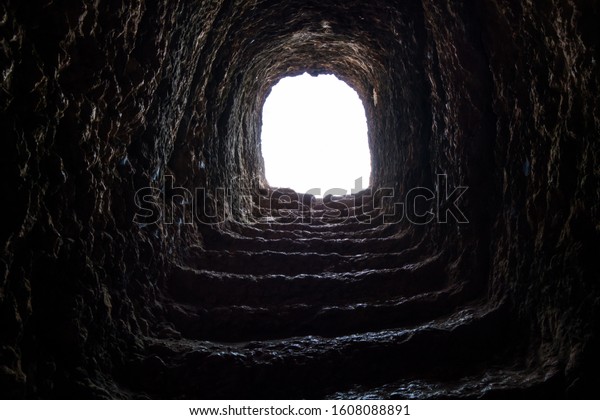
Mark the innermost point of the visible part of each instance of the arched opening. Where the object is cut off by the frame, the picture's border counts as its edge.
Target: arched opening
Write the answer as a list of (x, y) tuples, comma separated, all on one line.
[(314, 136)]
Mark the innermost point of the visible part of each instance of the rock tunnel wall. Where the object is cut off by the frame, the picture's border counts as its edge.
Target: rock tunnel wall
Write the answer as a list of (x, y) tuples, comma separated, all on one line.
[(101, 100)]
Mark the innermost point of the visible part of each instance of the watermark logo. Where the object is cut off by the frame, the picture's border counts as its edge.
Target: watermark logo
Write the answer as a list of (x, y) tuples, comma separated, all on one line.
[(419, 205)]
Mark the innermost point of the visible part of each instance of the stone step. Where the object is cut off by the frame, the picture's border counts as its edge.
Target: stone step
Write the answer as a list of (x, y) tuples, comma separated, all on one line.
[(275, 262), (313, 366), (344, 246), (505, 380), (244, 323), (346, 226), (339, 203), (322, 218), (210, 288), (265, 231), (349, 222)]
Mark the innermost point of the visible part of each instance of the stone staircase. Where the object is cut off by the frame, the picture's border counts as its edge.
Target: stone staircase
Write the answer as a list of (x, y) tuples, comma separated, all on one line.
[(308, 302)]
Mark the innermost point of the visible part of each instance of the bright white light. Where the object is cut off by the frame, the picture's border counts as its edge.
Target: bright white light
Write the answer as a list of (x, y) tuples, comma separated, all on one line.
[(314, 135)]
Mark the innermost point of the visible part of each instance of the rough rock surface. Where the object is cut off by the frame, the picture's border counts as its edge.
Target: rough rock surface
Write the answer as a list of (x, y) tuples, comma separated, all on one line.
[(99, 100)]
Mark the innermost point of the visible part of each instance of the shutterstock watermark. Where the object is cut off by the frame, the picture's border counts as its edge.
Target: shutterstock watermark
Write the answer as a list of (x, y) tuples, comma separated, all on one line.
[(419, 205)]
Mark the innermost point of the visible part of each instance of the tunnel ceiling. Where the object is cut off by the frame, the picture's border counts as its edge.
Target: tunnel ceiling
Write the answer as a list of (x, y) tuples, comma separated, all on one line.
[(101, 101)]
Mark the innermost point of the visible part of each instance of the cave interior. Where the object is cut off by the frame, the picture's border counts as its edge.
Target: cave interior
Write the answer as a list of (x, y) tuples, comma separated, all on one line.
[(144, 255)]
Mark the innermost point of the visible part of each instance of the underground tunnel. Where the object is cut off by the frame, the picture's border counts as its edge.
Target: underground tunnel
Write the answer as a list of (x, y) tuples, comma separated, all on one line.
[(145, 255)]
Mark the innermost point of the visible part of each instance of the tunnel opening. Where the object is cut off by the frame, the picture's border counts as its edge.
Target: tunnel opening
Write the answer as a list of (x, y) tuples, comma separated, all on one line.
[(314, 136)]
